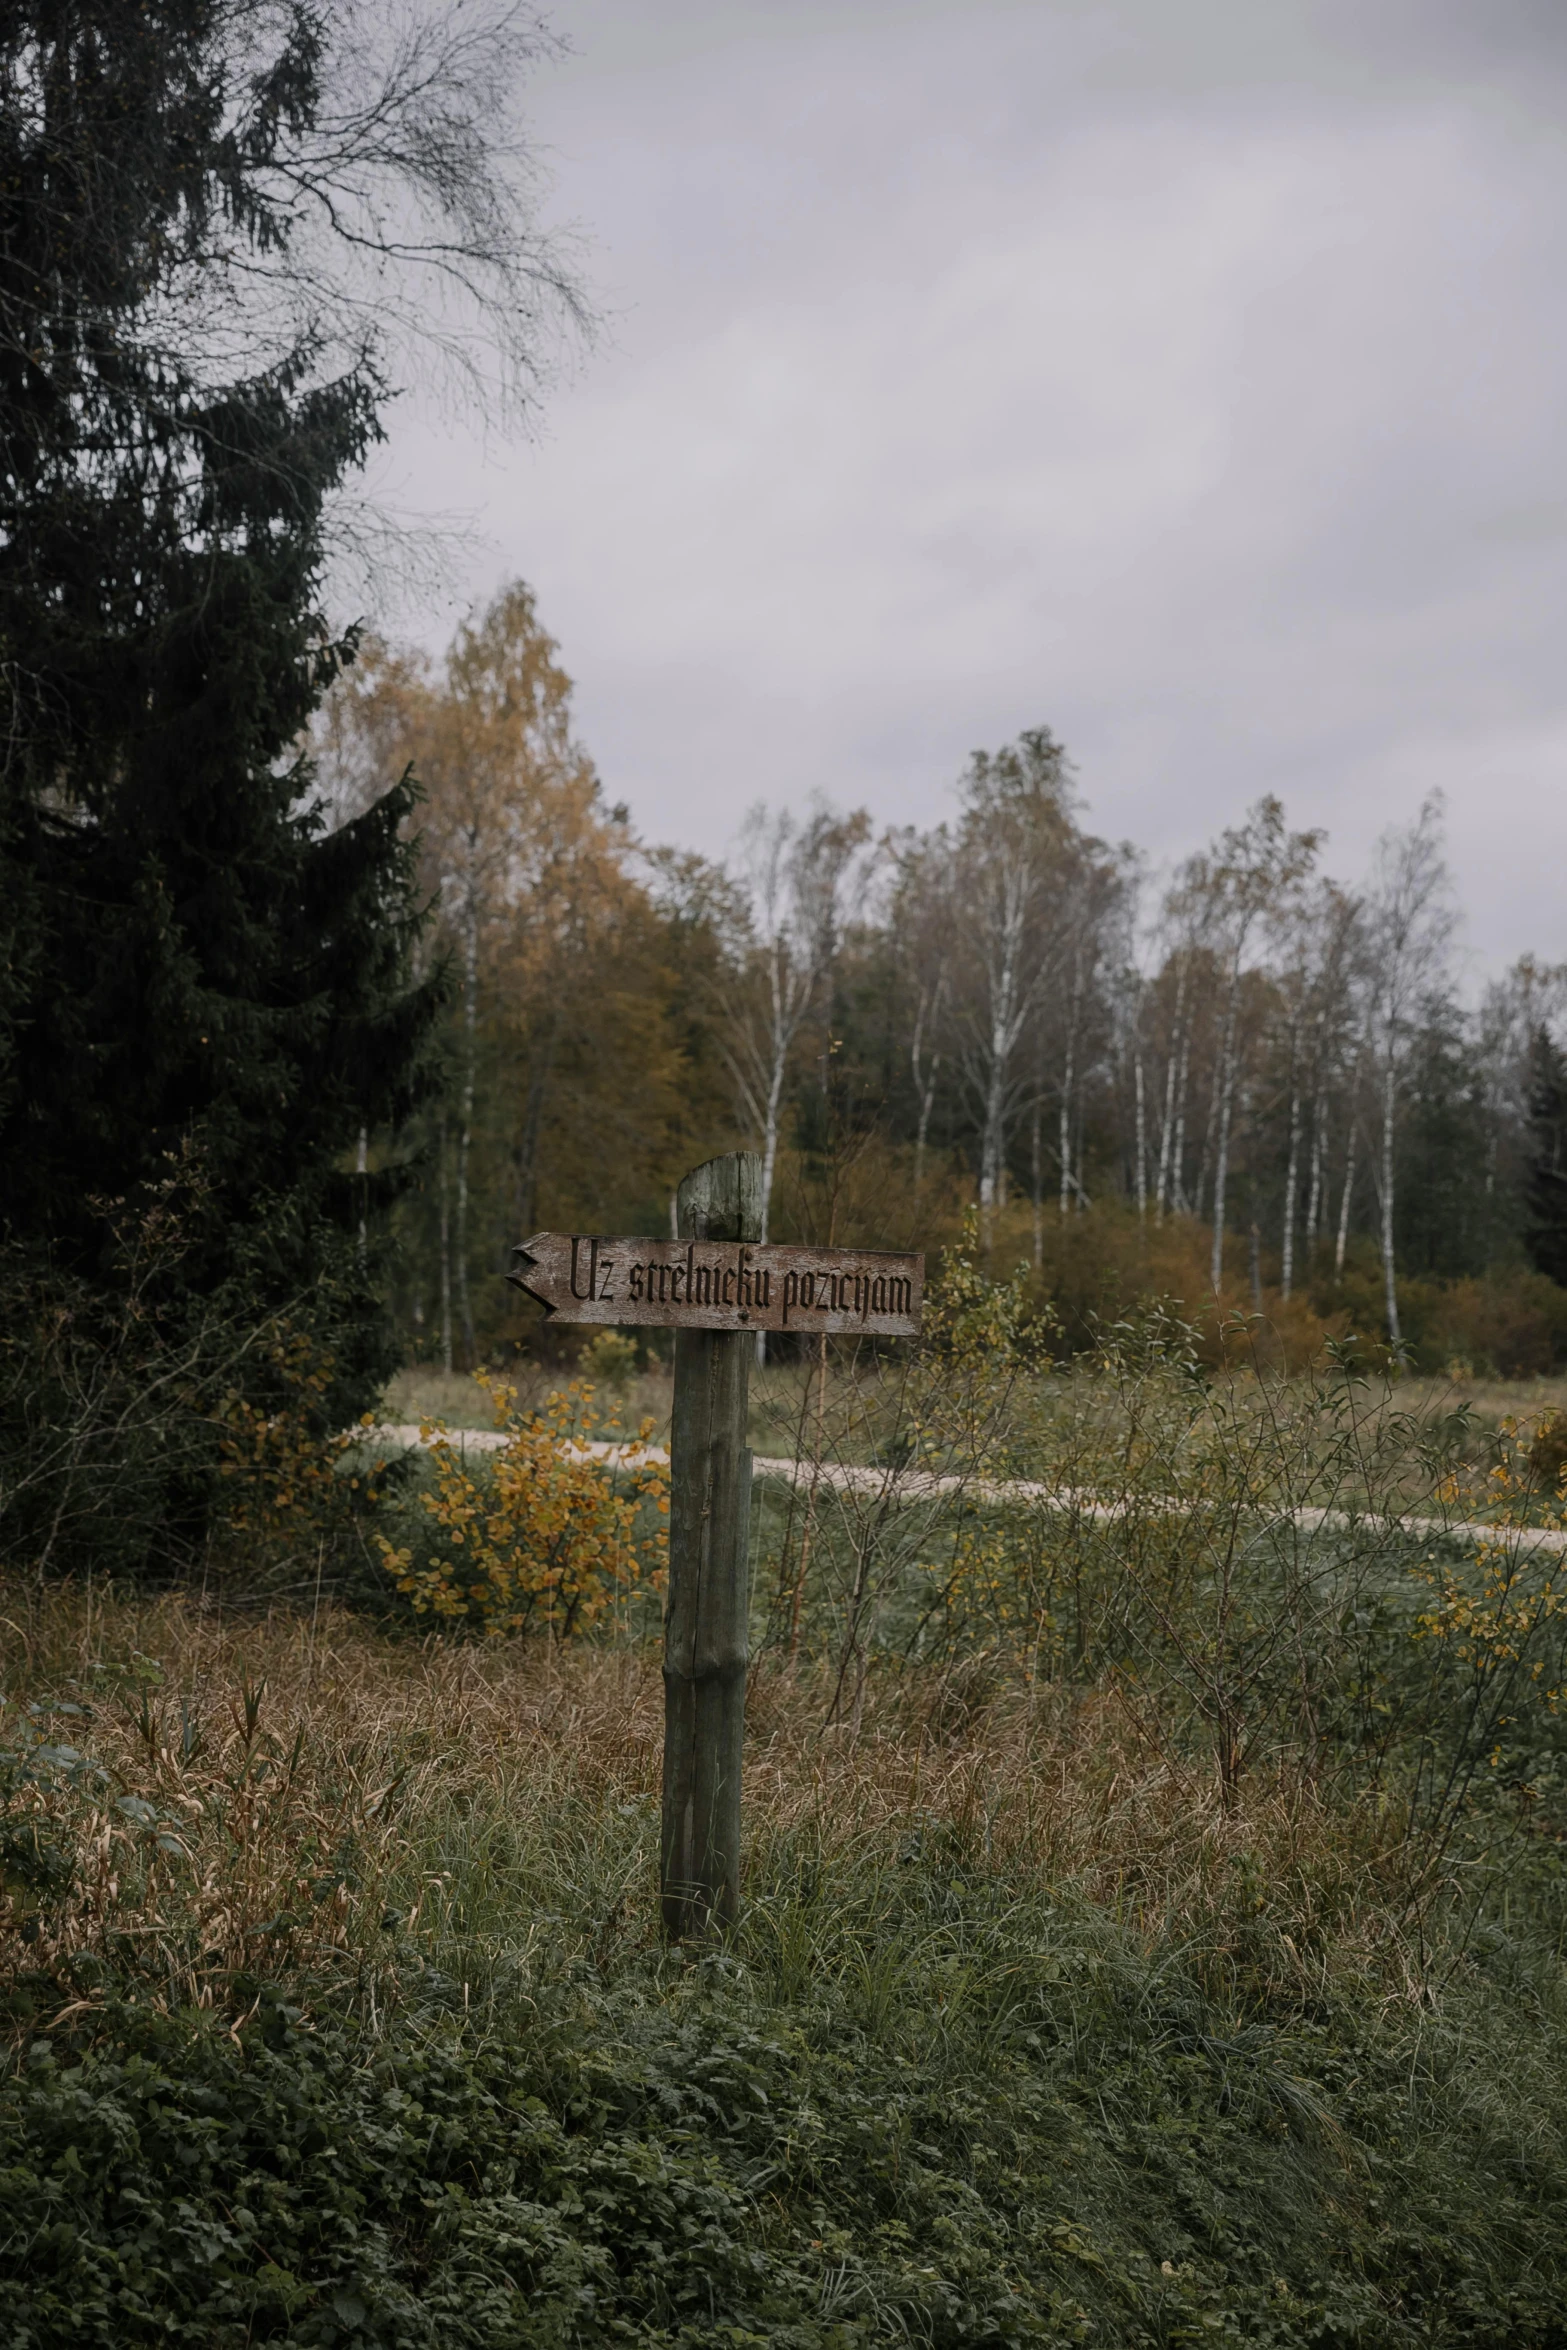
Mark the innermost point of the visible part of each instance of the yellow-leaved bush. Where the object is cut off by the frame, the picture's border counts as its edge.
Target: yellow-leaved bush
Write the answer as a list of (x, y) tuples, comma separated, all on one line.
[(542, 1535), (1496, 1612), (288, 1486)]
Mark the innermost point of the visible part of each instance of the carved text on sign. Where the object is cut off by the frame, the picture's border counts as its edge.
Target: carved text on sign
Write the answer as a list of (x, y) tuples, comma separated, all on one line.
[(721, 1284)]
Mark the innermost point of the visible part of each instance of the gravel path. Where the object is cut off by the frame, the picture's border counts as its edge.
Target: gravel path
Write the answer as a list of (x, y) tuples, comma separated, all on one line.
[(918, 1485)]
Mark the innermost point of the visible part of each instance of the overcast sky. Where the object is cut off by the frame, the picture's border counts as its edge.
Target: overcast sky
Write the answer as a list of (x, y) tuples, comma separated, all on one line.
[(1187, 375)]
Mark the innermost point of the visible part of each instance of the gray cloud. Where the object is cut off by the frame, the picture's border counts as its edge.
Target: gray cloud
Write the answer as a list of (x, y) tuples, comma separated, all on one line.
[(1187, 375)]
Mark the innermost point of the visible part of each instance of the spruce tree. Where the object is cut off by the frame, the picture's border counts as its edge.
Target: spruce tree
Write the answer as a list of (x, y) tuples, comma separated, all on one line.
[(195, 967), (1547, 1180)]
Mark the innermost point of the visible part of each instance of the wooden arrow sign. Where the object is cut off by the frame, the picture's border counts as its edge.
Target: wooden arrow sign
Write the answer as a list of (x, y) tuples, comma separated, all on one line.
[(721, 1285)]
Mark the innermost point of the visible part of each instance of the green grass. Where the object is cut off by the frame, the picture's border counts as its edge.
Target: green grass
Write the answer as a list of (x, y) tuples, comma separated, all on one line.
[(958, 2114), (457, 1399), (784, 1408), (355, 2026), (1154, 1924)]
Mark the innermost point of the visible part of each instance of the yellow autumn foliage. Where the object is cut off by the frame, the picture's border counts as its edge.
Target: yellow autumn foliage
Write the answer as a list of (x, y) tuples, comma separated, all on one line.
[(1493, 1610), (287, 1485), (543, 1535)]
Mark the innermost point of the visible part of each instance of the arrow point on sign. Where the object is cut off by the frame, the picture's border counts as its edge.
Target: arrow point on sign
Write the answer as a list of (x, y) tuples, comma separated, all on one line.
[(524, 1262)]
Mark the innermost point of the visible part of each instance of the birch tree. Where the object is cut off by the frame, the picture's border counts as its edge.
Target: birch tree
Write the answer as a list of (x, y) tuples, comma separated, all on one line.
[(1410, 923), (1317, 950), (1015, 830), (1229, 889), (922, 918), (793, 884), (1185, 996), (1169, 1189), (1130, 1021), (1089, 920)]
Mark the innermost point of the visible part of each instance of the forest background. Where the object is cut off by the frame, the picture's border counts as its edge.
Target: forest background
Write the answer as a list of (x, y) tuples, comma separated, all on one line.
[(1244, 1085)]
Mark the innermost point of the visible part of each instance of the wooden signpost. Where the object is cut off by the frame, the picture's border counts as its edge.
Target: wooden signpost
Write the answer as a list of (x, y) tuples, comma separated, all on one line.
[(702, 1284), (714, 1286)]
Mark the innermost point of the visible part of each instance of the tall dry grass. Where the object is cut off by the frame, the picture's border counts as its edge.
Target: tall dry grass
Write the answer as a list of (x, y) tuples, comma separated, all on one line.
[(300, 1796)]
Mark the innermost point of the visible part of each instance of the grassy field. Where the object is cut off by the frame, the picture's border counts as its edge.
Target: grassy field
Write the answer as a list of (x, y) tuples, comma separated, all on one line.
[(781, 1406), (625, 1404), (357, 2026), (1491, 1400), (1154, 1926)]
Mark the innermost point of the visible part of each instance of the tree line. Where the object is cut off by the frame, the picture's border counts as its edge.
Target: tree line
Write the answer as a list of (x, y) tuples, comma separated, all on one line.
[(1262, 1082)]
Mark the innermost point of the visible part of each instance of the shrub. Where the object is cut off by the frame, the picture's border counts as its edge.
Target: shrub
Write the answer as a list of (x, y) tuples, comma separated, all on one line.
[(1258, 1565), (1548, 1450), (610, 1358), (541, 1536), (1510, 1321), (917, 1427), (147, 1430)]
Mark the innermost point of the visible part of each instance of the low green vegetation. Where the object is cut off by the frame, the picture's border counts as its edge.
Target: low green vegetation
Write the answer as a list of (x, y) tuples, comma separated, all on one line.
[(1154, 1923), (1154, 1892), (343, 2018)]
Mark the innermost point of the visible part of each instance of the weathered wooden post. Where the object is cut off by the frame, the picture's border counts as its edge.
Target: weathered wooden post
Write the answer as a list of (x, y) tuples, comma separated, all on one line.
[(706, 1620), (715, 1286)]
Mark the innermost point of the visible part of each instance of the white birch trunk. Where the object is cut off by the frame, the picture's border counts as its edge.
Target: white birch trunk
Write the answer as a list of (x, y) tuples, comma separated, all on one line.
[(1068, 1083), (1389, 1279), (1164, 1195), (770, 1140), (993, 1140), (1210, 1136), (1038, 1173), (1291, 1176), (1006, 1010), (925, 1076), (1141, 1141), (1343, 1210), (777, 1070), (927, 1102), (1178, 1199), (1318, 1149), (992, 1148), (1226, 1099)]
